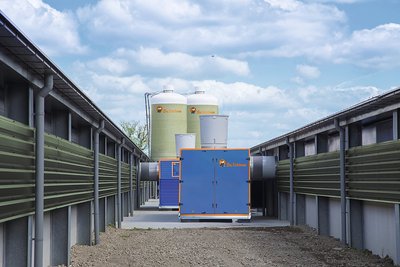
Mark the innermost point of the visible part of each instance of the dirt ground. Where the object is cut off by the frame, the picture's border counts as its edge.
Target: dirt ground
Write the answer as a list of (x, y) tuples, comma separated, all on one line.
[(284, 246)]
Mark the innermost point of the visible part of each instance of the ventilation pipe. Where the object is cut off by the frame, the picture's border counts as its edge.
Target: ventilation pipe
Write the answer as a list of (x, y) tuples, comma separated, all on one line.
[(96, 182), (342, 163), (262, 167), (39, 149), (119, 208), (148, 171)]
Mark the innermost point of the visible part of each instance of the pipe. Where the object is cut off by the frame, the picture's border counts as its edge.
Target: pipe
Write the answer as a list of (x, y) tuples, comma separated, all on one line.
[(130, 184), (119, 208), (342, 163), (96, 182), (291, 188), (39, 184)]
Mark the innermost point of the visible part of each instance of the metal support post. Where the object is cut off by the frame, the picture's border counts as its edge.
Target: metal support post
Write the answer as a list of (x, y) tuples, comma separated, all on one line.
[(131, 184), (119, 210), (397, 231), (39, 183), (291, 188), (96, 183), (342, 163)]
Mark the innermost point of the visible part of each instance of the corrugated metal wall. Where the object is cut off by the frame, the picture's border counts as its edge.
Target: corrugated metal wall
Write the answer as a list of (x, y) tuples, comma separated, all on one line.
[(372, 173), (68, 172)]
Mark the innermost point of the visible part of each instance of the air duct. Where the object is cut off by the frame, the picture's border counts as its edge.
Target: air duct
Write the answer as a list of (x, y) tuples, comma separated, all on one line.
[(262, 167)]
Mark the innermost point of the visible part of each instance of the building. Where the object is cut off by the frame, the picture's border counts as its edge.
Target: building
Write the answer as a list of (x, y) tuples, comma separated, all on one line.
[(341, 175), (66, 170)]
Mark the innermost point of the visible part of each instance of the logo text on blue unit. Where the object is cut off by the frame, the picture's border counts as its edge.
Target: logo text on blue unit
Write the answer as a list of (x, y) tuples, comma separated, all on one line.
[(224, 163)]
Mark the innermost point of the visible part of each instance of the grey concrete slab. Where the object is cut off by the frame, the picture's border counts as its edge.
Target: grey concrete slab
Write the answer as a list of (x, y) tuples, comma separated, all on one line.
[(155, 219)]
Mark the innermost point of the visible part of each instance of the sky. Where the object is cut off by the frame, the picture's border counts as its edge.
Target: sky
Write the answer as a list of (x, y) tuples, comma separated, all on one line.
[(274, 65)]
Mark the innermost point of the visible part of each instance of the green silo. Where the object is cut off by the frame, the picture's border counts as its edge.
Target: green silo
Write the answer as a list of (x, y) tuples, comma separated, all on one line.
[(198, 104), (168, 117)]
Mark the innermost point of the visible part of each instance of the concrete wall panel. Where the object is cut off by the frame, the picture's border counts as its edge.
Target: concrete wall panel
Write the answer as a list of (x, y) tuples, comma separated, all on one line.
[(1, 245), (335, 229), (74, 218), (379, 229), (309, 149), (311, 212), (15, 242), (46, 239), (369, 135), (333, 143)]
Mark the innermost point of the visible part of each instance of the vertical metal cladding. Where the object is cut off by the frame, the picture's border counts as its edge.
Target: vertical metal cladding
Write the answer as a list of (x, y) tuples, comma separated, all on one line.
[(168, 117), (198, 104)]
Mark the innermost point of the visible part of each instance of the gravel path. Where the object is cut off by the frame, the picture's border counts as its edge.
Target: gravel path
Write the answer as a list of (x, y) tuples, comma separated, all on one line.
[(284, 246)]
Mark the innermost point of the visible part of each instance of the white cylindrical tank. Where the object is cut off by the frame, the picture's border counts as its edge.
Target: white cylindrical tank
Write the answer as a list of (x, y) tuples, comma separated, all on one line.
[(198, 104), (262, 167), (168, 117), (148, 171), (184, 141), (214, 131)]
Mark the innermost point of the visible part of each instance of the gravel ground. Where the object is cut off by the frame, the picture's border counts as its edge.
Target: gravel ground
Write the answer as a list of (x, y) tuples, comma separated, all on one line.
[(284, 246)]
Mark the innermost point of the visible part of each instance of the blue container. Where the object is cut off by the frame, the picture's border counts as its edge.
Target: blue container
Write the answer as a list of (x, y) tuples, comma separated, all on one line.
[(169, 183), (215, 184)]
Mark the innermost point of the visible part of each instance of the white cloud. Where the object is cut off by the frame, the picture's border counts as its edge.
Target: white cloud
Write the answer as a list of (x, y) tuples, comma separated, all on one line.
[(374, 48), (214, 26), (307, 71), (54, 31), (153, 60), (109, 65)]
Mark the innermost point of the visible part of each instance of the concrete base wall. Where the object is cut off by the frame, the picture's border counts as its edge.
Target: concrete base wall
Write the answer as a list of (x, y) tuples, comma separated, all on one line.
[(379, 229), (371, 225), (284, 206), (46, 239), (334, 218), (311, 211), (1, 245), (63, 228), (73, 221)]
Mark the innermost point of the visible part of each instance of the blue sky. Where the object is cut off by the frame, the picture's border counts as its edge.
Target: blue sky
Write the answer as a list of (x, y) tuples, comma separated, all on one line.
[(275, 65)]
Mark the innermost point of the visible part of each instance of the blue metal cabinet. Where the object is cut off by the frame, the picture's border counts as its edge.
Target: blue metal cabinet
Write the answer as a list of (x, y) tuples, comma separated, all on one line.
[(169, 183), (214, 184)]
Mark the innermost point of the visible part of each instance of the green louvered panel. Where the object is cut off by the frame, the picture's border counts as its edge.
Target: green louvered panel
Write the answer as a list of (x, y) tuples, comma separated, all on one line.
[(125, 169), (68, 172), (107, 176), (318, 174), (373, 172), (17, 189), (283, 175)]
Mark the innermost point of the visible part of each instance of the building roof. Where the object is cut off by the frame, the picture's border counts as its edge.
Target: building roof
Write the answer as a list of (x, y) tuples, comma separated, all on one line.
[(21, 54), (374, 106)]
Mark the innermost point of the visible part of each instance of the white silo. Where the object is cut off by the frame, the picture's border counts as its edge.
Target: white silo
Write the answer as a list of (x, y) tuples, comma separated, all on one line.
[(198, 104), (168, 117)]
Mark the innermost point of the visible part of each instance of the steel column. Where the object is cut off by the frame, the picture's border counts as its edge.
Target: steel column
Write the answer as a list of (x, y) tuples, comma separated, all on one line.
[(96, 183), (39, 185), (291, 188), (130, 184), (342, 163), (119, 210), (395, 125), (397, 232)]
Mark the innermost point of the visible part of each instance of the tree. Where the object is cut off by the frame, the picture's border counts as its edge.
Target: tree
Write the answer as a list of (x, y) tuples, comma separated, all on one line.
[(137, 132)]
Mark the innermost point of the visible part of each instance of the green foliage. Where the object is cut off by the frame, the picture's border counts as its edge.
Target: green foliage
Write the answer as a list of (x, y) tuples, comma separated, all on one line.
[(137, 132)]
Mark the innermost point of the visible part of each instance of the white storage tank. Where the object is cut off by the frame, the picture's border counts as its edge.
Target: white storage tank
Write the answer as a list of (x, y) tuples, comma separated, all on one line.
[(198, 104), (184, 141), (168, 117), (214, 131)]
